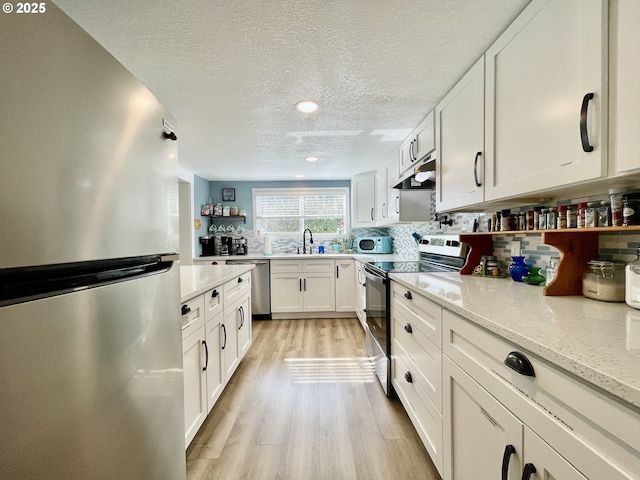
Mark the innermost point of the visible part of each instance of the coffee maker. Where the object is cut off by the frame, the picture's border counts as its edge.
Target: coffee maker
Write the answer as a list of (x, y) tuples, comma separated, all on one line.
[(241, 246), (226, 247), (208, 245)]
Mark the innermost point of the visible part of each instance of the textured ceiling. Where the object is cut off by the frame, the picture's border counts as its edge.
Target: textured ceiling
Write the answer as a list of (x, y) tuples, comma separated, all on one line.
[(232, 70)]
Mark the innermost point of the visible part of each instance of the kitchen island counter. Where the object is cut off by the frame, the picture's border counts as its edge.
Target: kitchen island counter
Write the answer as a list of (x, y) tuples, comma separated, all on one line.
[(596, 341), (197, 279)]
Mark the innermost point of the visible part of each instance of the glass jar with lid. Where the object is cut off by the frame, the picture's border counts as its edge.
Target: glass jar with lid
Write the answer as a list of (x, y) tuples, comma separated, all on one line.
[(604, 281)]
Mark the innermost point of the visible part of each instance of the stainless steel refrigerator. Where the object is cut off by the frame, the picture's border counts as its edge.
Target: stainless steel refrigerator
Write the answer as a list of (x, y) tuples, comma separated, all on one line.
[(90, 343)]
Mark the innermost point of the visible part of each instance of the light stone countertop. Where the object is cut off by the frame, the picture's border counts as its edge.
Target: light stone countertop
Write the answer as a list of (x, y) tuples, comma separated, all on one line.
[(598, 342), (363, 257), (197, 279)]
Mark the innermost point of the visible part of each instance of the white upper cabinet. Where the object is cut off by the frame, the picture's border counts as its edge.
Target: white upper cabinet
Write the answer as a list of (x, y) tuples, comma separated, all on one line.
[(363, 188), (418, 145), (460, 143), (393, 194), (382, 205), (625, 82), (546, 97), (424, 142)]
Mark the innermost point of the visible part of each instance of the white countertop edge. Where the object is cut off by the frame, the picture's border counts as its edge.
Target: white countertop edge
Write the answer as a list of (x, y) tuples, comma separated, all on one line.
[(198, 279), (592, 369), (363, 257)]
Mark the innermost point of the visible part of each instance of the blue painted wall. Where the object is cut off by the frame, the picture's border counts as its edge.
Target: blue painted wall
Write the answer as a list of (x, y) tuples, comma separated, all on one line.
[(244, 199)]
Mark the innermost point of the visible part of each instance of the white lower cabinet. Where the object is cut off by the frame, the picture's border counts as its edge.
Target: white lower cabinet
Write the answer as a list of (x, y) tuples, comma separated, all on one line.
[(216, 334), (229, 348), (559, 427), (345, 285), (416, 364), (195, 383), (360, 293), (303, 286), (213, 366), (482, 438)]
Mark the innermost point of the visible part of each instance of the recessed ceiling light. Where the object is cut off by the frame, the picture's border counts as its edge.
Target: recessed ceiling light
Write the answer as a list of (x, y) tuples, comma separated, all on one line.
[(311, 159), (307, 106), (299, 176)]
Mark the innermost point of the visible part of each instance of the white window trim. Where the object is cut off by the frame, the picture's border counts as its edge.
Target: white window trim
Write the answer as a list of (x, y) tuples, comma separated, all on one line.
[(303, 191)]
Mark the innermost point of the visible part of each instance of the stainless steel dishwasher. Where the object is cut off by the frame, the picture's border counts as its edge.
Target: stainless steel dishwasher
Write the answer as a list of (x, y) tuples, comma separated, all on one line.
[(260, 286)]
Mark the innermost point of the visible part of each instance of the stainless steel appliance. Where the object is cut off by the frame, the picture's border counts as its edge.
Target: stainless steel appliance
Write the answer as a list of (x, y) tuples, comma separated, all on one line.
[(90, 337), (240, 247), (374, 245), (260, 286), (437, 253), (226, 247)]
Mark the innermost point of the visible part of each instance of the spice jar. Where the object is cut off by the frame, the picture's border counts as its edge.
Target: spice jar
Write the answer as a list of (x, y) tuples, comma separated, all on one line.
[(561, 221), (582, 207), (616, 210), (505, 220), (604, 281), (572, 216), (542, 219), (631, 209), (591, 214)]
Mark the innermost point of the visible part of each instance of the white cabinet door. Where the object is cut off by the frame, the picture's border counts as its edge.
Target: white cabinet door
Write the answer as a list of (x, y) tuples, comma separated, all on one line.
[(460, 143), (214, 369), (195, 383), (286, 292), (542, 461), (382, 207), (543, 130), (625, 94), (360, 294), (345, 285), (405, 155), (393, 194), (245, 326), (319, 292), (363, 189), (424, 137), (229, 347), (479, 432)]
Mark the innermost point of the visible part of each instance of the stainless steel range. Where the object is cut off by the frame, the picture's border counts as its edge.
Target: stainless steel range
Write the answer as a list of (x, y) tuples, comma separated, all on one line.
[(438, 253)]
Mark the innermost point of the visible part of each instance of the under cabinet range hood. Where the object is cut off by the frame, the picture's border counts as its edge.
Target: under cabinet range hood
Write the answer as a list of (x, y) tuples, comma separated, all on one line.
[(420, 176)]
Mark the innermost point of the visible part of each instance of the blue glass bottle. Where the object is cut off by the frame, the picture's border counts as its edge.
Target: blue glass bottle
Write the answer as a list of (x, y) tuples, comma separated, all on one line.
[(518, 268)]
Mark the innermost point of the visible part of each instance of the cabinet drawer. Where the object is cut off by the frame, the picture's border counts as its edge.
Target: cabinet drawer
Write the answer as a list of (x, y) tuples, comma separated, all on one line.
[(424, 315), (422, 353), (318, 266), (424, 415), (286, 266), (213, 302), (590, 429), (237, 287), (195, 317)]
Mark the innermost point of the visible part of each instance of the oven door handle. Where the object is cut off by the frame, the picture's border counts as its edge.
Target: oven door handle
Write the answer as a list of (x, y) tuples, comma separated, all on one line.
[(374, 276)]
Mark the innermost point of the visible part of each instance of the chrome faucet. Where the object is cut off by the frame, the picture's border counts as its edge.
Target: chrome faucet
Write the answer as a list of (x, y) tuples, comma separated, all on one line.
[(304, 240)]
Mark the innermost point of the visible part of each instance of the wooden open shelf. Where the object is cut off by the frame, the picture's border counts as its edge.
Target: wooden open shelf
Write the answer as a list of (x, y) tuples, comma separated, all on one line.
[(576, 245)]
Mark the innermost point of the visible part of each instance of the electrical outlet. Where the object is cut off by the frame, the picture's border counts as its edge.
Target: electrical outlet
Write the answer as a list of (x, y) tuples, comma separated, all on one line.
[(515, 249), (197, 224)]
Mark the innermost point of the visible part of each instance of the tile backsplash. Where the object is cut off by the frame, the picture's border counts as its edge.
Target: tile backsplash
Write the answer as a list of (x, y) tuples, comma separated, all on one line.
[(612, 246)]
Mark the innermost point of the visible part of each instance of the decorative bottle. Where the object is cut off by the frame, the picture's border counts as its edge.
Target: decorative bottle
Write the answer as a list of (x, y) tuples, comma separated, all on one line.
[(518, 268)]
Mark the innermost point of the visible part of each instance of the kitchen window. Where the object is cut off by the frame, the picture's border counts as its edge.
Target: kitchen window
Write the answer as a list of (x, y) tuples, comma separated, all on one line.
[(289, 211)]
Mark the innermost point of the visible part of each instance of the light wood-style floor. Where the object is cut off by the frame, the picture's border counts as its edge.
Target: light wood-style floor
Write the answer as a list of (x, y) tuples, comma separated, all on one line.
[(304, 405)]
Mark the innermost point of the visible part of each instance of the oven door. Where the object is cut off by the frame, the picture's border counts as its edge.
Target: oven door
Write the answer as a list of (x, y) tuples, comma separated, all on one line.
[(377, 326)]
